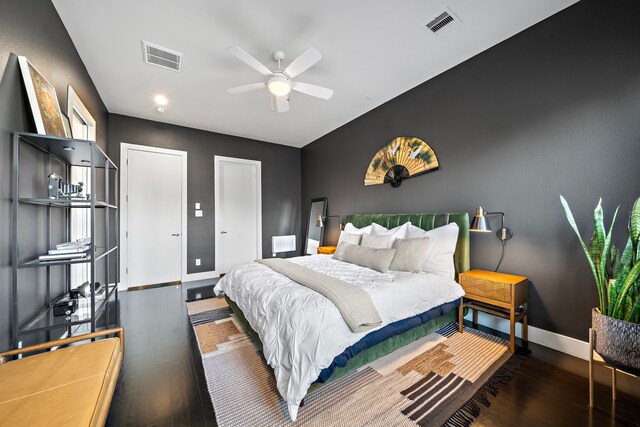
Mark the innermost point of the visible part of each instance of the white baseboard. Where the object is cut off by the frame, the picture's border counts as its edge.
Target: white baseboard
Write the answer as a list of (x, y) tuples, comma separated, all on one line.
[(200, 276), (543, 337)]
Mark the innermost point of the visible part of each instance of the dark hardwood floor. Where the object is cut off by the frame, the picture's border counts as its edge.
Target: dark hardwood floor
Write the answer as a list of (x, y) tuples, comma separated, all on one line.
[(162, 382)]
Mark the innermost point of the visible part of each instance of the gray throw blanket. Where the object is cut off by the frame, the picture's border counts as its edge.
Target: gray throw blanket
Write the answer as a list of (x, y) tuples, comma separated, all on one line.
[(354, 303)]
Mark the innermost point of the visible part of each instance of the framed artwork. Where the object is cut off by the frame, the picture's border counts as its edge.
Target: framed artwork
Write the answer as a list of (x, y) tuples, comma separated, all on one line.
[(42, 99), (82, 123), (67, 126), (401, 158)]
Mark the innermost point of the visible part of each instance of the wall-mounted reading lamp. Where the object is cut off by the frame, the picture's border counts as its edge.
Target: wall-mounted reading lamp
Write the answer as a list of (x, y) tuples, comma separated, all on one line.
[(480, 224), (321, 220)]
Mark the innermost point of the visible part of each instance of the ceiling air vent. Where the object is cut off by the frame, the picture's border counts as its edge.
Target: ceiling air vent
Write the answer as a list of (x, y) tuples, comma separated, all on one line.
[(161, 56), (443, 22)]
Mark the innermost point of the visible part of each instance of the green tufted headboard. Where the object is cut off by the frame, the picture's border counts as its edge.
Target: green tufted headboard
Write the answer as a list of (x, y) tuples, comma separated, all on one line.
[(426, 221)]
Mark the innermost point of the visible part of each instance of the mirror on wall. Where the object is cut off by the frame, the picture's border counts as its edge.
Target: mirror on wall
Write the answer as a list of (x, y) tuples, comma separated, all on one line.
[(315, 233)]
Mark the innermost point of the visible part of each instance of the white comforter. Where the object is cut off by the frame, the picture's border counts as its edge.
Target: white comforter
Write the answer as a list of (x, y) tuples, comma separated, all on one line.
[(302, 331)]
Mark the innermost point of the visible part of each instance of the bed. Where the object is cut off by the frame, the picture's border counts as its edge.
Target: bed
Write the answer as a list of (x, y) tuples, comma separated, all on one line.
[(307, 343)]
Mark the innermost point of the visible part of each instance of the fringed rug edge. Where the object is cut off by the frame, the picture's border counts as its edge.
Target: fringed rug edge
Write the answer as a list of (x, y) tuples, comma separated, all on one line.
[(469, 411)]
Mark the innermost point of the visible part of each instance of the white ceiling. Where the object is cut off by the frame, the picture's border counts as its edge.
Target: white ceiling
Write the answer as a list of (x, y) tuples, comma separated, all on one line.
[(372, 52)]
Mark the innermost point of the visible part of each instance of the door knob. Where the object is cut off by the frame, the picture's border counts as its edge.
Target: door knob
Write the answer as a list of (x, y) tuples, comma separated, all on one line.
[(223, 232), (176, 234)]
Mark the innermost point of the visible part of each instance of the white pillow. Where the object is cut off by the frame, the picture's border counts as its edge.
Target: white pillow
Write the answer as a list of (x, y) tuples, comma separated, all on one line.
[(351, 238), (375, 241), (350, 228), (442, 245), (399, 232)]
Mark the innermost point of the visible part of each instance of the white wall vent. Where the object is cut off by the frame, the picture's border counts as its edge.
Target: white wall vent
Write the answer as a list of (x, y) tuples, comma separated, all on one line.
[(443, 22), (161, 56)]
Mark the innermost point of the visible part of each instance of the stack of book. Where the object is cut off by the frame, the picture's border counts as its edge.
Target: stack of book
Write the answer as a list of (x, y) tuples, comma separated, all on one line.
[(68, 250)]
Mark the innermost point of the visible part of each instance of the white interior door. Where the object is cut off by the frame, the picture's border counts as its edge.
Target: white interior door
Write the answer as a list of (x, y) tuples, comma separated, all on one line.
[(154, 211), (238, 212)]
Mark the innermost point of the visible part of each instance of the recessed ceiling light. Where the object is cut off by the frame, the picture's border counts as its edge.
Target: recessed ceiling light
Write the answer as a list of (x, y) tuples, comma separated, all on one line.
[(161, 100), (160, 109), (68, 148)]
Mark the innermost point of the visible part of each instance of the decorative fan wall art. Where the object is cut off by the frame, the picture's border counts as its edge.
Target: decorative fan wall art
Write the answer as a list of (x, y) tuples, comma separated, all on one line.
[(404, 157)]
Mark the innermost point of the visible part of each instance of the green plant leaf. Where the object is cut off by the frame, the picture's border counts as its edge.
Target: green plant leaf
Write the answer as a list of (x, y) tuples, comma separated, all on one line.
[(598, 226), (572, 223), (634, 225), (635, 312), (612, 296), (627, 289), (622, 271), (613, 256), (605, 251)]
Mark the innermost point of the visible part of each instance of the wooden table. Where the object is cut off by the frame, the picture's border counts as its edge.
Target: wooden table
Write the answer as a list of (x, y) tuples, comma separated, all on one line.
[(499, 294)]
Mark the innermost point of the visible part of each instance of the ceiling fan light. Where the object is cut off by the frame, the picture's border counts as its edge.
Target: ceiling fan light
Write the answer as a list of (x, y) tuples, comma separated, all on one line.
[(279, 86)]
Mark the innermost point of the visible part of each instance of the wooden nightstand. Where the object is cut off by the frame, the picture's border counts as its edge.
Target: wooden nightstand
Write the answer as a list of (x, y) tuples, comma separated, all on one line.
[(499, 294), (326, 250)]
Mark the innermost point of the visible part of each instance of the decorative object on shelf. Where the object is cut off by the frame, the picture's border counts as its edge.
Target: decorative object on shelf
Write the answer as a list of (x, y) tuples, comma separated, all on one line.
[(85, 289), (404, 157), (62, 257), (315, 235), (65, 306), (67, 251), (616, 322), (480, 224), (58, 189), (42, 99), (281, 244)]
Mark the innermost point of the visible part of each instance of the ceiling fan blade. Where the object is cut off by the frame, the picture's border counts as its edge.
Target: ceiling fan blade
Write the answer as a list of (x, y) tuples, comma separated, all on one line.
[(247, 88), (282, 104), (302, 63), (313, 90), (249, 60)]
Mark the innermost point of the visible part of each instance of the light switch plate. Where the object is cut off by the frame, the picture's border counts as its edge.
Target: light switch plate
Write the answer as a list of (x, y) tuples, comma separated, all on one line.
[(197, 261), (197, 205), (198, 213)]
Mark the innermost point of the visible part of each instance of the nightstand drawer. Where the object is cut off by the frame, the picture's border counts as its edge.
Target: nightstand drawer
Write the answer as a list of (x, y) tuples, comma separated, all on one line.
[(485, 287), (499, 294)]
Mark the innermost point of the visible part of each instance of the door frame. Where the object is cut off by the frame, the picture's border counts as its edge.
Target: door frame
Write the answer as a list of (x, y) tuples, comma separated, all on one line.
[(216, 171), (124, 173)]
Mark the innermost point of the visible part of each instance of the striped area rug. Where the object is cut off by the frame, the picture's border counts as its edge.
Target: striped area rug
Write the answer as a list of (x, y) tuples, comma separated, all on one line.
[(437, 380)]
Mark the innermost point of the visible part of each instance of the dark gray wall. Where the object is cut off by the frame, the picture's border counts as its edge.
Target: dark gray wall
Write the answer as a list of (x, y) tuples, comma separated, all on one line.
[(280, 178), (32, 28), (555, 109)]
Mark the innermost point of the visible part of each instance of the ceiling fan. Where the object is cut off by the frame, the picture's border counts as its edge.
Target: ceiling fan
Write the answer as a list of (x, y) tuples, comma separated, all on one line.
[(280, 82)]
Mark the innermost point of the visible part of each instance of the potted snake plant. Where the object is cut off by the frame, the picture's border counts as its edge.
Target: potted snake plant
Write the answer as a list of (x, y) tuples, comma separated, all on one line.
[(617, 275)]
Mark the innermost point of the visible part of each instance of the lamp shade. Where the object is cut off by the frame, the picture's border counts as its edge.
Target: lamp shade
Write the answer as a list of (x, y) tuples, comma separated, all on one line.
[(320, 221), (479, 222)]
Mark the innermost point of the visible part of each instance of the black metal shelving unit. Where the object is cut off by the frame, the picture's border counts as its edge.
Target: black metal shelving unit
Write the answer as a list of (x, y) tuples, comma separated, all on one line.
[(68, 152)]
